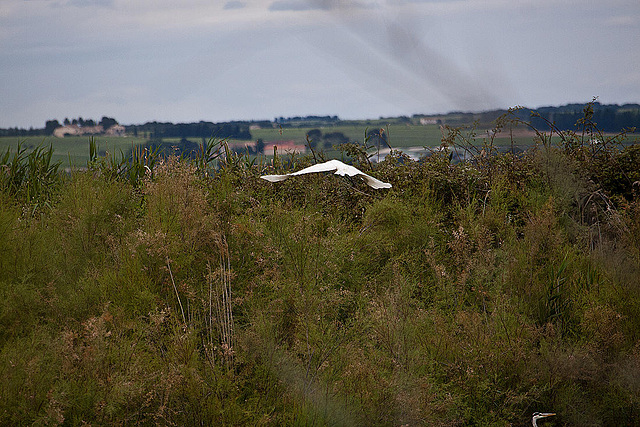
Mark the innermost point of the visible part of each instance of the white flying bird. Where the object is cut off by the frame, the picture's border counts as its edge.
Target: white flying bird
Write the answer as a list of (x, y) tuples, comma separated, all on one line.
[(332, 165)]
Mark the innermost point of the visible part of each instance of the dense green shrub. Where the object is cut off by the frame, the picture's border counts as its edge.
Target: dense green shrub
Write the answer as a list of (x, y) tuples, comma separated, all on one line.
[(470, 293)]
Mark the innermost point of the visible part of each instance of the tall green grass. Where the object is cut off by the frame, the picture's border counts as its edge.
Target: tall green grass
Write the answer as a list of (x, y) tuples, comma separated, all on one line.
[(72, 151), (469, 293)]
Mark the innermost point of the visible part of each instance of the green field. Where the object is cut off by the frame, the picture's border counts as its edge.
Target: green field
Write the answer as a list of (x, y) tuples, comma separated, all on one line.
[(71, 151), (400, 135)]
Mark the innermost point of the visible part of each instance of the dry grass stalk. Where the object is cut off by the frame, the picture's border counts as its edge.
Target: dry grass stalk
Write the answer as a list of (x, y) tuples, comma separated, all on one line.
[(220, 300), (184, 319)]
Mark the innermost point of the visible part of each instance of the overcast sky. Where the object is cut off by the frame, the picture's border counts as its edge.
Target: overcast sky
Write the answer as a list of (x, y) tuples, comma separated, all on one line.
[(191, 60)]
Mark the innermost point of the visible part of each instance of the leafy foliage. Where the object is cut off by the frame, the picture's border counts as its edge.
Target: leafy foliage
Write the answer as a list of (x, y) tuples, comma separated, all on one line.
[(189, 291), (32, 177)]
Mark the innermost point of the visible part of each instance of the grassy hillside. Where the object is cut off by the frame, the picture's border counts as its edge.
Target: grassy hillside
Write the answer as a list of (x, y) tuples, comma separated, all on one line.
[(467, 294)]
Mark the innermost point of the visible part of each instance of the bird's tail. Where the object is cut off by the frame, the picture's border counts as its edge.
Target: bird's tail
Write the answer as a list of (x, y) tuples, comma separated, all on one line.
[(375, 183)]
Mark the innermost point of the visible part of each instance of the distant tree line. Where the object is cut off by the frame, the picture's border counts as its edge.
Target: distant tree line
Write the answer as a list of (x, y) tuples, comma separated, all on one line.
[(298, 121), (202, 129), (80, 122), (164, 149), (319, 140), (609, 118), (51, 125), (21, 132)]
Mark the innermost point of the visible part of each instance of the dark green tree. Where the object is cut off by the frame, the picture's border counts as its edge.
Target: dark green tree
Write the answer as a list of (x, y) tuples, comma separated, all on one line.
[(107, 122), (334, 138), (313, 137), (50, 126)]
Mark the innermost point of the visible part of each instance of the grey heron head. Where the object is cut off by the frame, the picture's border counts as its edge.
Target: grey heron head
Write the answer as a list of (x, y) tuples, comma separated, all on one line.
[(539, 415)]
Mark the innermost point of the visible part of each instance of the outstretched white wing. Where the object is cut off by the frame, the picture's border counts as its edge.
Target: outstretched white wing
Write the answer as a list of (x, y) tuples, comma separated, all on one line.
[(320, 167), (332, 165)]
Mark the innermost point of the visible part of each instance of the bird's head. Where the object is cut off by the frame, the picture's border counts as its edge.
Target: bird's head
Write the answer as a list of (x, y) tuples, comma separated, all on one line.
[(539, 415)]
